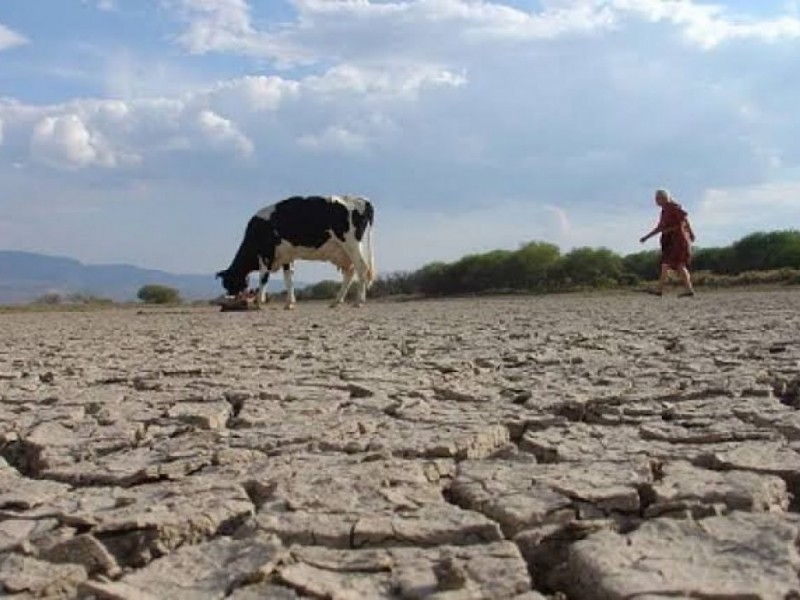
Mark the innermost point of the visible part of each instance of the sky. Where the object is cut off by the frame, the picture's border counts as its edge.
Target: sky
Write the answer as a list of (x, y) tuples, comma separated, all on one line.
[(148, 132)]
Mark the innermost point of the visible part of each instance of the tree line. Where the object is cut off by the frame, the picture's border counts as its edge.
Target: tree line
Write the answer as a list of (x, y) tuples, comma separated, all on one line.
[(541, 267)]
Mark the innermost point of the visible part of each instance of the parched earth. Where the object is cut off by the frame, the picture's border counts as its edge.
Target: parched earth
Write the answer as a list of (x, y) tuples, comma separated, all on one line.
[(582, 447)]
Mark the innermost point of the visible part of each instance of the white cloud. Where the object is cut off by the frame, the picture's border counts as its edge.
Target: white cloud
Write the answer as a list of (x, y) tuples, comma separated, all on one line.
[(225, 26), (334, 139), (470, 19), (402, 81), (747, 203), (66, 142), (435, 30), (105, 5), (724, 215), (222, 133), (347, 29), (709, 25), (503, 223), (225, 116), (255, 92), (562, 218), (1, 131), (10, 38), (215, 24)]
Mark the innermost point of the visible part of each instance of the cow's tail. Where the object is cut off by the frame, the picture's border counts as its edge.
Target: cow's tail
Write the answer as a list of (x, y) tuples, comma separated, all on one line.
[(370, 217)]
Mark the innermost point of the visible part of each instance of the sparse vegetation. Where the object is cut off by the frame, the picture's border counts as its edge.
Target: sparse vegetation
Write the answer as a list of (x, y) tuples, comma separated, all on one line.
[(323, 290), (73, 299), (49, 299), (158, 294), (539, 267), (88, 299)]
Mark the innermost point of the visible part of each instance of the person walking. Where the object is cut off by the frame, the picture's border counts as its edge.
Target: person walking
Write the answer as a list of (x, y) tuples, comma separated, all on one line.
[(676, 242)]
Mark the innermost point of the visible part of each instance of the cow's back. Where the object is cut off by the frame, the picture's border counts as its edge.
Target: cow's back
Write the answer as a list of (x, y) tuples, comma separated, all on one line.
[(308, 221)]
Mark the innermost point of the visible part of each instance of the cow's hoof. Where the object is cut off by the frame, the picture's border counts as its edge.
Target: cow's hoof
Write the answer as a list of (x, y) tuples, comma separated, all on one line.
[(334, 304), (289, 307)]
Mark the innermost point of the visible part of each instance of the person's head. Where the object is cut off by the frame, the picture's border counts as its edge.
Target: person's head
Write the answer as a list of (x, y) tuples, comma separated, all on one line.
[(662, 197)]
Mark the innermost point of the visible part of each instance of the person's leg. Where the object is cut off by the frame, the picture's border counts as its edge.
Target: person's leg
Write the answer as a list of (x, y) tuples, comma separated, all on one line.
[(686, 279), (662, 282)]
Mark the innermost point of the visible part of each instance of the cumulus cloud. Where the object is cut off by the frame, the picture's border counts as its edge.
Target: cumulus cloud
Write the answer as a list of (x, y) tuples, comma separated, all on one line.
[(709, 25), (373, 82), (467, 19), (222, 133), (225, 26), (254, 92), (225, 116), (334, 139), (346, 29), (218, 25), (10, 38), (65, 141)]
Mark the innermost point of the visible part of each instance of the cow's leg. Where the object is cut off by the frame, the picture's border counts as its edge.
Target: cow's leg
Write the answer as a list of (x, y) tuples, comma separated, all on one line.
[(263, 277), (347, 279), (261, 295), (353, 249), (291, 301)]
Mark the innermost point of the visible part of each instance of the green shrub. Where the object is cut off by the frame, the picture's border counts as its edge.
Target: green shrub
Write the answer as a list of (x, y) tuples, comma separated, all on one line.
[(88, 299), (324, 290), (158, 294), (49, 299)]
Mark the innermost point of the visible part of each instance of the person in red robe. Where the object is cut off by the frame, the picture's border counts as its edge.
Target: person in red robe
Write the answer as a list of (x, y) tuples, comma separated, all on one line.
[(676, 242)]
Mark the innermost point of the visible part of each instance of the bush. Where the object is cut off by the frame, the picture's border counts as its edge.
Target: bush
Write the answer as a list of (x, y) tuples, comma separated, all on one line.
[(642, 265), (88, 299), (158, 294), (592, 267), (747, 278), (324, 290), (49, 299), (764, 251), (395, 284), (531, 266), (757, 259)]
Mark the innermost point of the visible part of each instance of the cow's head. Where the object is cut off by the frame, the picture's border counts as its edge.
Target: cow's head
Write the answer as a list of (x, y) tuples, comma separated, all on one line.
[(233, 282)]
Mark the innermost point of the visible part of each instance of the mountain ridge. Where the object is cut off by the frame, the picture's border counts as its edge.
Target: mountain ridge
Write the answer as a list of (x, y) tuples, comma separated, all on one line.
[(26, 276)]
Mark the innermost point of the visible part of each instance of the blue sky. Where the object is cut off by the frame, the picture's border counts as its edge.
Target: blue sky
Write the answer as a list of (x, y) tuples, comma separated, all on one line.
[(149, 131)]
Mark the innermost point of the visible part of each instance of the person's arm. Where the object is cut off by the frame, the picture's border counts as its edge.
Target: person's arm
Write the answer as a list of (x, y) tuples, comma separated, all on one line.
[(660, 228), (690, 230), (648, 235)]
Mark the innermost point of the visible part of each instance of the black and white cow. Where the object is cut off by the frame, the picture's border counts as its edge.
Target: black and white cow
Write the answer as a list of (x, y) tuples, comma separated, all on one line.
[(310, 228)]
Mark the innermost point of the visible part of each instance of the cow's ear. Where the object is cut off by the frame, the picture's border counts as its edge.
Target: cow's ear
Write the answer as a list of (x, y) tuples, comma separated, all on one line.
[(219, 274)]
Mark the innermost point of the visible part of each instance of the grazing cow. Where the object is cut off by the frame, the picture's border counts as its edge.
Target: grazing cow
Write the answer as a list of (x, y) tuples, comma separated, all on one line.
[(313, 228)]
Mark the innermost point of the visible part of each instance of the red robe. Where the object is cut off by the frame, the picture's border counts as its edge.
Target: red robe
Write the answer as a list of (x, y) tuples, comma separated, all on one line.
[(676, 248)]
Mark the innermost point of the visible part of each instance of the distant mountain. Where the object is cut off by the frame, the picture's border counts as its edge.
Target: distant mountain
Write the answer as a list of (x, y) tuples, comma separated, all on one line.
[(25, 276)]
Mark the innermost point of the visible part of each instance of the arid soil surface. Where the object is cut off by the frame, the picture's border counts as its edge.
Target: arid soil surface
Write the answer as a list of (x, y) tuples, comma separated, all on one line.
[(581, 447)]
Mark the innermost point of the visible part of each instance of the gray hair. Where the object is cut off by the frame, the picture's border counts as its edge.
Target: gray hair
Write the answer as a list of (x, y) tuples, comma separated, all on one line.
[(664, 194)]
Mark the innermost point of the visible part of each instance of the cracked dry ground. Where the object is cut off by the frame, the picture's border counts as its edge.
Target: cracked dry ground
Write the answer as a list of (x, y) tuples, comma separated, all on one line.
[(587, 447)]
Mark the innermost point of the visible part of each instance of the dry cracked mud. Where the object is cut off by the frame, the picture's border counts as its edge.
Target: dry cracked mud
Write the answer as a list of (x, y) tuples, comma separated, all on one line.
[(581, 447)]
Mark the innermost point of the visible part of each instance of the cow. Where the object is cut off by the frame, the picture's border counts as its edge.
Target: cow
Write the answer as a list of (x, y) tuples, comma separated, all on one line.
[(321, 228)]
